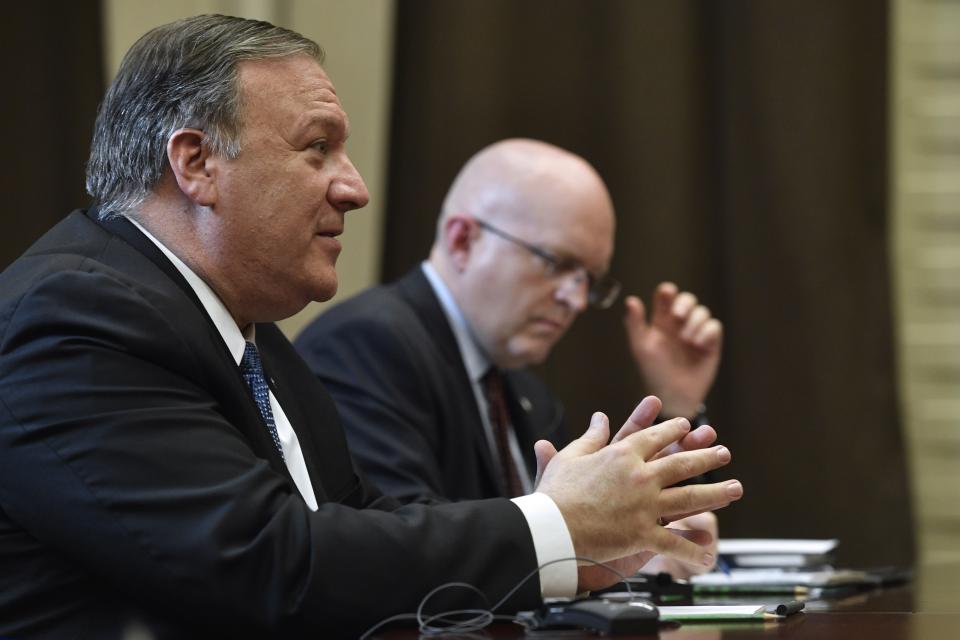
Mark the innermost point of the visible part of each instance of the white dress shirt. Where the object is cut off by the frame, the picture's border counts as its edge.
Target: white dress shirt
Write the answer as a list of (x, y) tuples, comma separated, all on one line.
[(551, 538)]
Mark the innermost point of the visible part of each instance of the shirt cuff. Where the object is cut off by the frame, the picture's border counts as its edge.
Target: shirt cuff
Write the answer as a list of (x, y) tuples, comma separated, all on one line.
[(551, 541)]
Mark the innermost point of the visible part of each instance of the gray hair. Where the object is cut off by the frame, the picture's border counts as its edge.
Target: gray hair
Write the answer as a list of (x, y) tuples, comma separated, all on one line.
[(182, 74)]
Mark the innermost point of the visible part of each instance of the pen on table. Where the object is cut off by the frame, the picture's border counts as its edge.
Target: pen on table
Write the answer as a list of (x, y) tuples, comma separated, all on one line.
[(787, 608)]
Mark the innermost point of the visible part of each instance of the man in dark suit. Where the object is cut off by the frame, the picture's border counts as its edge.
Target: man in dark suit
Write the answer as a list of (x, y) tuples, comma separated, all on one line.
[(167, 463), (523, 246)]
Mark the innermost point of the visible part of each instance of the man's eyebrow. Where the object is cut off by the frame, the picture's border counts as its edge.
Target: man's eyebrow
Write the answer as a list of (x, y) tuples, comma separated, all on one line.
[(327, 121), (571, 260)]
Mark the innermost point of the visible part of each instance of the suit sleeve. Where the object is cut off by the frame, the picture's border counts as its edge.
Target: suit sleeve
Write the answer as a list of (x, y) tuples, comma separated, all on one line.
[(115, 453)]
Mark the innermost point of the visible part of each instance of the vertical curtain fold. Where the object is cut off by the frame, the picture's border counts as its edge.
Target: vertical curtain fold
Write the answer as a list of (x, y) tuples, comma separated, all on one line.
[(745, 146), (52, 68)]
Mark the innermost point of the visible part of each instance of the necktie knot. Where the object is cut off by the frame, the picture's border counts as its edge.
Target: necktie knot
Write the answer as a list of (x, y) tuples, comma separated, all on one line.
[(492, 383), (250, 364), (252, 371)]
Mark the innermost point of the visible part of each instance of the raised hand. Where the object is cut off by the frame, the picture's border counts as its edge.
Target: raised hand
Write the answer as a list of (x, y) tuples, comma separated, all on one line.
[(678, 351)]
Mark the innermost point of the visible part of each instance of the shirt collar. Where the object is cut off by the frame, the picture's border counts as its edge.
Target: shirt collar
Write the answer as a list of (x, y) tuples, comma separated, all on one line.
[(474, 359), (235, 340)]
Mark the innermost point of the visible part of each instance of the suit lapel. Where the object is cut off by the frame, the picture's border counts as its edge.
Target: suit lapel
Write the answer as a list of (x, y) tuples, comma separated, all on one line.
[(134, 237), (417, 292), (313, 415), (520, 408), (243, 411), (292, 401)]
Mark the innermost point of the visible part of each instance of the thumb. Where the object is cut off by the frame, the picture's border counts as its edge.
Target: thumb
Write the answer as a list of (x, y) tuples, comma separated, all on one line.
[(593, 439), (544, 450), (642, 417)]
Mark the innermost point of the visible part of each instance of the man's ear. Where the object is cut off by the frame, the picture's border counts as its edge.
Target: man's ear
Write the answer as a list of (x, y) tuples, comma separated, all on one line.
[(459, 234), (193, 165)]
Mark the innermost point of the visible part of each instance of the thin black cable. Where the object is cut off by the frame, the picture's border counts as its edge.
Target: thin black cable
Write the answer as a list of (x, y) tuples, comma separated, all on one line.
[(482, 618)]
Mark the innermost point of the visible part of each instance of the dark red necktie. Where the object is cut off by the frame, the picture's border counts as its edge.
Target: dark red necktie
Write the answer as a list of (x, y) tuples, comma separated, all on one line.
[(500, 422)]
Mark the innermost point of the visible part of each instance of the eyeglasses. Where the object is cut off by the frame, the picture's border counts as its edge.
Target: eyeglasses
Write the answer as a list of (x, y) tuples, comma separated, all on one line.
[(602, 291)]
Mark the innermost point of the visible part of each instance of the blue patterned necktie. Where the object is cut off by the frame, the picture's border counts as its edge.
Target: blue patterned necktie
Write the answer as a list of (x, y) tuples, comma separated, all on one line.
[(252, 372)]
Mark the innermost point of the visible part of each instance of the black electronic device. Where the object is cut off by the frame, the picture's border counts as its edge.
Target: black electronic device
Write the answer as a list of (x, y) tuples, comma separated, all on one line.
[(638, 617), (660, 588)]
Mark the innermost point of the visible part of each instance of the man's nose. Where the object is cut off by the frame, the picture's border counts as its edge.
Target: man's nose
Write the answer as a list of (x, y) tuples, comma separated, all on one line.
[(347, 190), (573, 289)]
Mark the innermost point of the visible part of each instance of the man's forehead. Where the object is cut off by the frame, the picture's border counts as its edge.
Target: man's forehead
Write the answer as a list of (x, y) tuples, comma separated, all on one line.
[(297, 85), (298, 76), (572, 222)]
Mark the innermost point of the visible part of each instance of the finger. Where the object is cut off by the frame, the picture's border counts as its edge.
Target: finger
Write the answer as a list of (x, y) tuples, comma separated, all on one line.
[(700, 438), (668, 543), (593, 439), (651, 440), (632, 564), (709, 335), (697, 318), (688, 464), (681, 502), (663, 299), (706, 522), (683, 305), (544, 451), (696, 536), (635, 320), (642, 417), (684, 570)]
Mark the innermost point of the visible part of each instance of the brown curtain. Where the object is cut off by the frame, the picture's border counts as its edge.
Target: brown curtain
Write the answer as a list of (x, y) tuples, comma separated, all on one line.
[(51, 64), (745, 146)]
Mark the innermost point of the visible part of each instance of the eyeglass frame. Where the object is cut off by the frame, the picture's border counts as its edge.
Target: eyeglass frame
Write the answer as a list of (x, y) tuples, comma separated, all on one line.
[(557, 265)]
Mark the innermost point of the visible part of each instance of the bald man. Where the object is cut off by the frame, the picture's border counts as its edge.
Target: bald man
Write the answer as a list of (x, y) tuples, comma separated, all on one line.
[(428, 372)]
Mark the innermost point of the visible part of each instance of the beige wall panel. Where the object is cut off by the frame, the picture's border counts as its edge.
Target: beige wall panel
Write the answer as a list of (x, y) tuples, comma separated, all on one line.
[(357, 36), (925, 193)]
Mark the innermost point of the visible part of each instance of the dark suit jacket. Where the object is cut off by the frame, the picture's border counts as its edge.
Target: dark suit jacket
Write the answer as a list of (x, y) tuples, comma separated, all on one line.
[(138, 481), (391, 362)]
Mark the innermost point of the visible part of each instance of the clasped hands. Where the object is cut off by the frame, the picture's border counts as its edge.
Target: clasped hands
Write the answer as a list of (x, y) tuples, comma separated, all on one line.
[(615, 497)]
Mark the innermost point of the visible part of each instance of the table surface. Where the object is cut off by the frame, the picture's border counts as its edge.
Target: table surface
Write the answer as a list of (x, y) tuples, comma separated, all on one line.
[(926, 609)]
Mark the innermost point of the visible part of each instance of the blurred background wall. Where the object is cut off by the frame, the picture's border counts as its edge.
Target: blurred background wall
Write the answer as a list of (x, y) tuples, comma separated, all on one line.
[(794, 163), (745, 147)]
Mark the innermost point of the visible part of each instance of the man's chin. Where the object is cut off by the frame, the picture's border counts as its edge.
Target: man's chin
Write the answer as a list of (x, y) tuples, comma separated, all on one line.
[(326, 294), (324, 289), (527, 356), (292, 307)]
